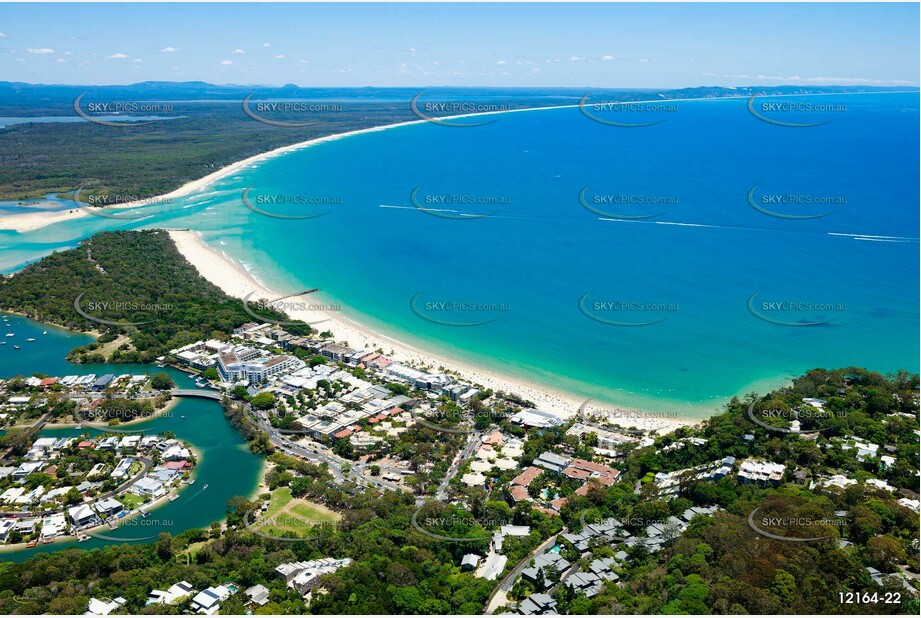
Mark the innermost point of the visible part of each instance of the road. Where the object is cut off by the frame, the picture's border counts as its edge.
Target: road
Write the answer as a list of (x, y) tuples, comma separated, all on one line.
[(146, 464), (499, 595), (316, 453), (473, 440)]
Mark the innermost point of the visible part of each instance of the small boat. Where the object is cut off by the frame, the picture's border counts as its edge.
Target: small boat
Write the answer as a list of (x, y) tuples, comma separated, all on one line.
[(16, 347), (31, 543), (79, 427), (205, 487), (83, 537), (173, 497), (143, 513), (9, 334), (30, 339), (192, 482), (183, 416), (44, 332), (2, 342)]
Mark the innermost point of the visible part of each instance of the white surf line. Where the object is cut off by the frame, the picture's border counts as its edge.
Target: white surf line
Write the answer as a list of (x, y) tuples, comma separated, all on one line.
[(680, 224), (883, 240), (871, 236)]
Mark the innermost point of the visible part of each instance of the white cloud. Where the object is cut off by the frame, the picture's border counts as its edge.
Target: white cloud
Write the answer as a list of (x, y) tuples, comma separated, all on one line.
[(303, 62), (535, 71), (501, 62), (20, 59), (67, 53), (608, 58), (118, 56), (280, 56), (226, 62), (138, 60), (40, 50), (61, 60), (3, 35), (169, 50), (575, 59), (266, 44), (238, 51), (644, 59)]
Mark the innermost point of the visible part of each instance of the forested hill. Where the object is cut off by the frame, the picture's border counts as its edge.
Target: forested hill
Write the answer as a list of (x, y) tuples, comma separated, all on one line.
[(120, 277)]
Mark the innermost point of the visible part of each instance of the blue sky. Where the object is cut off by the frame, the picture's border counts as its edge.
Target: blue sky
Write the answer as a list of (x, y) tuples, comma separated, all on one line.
[(610, 45)]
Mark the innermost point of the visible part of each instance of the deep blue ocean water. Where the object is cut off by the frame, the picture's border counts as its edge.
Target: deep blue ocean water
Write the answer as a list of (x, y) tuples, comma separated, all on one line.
[(678, 286)]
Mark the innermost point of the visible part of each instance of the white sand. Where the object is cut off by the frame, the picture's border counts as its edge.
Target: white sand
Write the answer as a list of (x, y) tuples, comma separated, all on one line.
[(236, 281), (29, 221), (26, 222)]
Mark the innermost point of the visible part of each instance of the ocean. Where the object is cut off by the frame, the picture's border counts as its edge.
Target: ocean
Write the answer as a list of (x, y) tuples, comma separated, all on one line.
[(666, 267)]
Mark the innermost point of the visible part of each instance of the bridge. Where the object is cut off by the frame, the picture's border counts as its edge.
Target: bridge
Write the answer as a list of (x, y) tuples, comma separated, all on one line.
[(200, 393)]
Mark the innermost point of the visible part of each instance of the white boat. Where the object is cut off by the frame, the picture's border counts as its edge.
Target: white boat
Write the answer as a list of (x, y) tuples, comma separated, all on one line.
[(15, 347), (173, 497), (83, 537), (205, 487), (2, 342), (192, 482), (9, 334), (30, 339), (44, 332)]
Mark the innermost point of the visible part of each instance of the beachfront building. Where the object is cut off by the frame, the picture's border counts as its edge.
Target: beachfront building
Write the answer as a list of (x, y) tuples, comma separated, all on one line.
[(538, 419), (251, 365)]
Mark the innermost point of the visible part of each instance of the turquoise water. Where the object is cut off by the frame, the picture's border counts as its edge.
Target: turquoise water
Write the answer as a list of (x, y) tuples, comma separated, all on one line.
[(704, 251), (226, 465)]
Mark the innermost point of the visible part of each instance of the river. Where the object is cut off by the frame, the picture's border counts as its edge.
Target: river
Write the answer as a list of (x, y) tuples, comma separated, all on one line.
[(226, 465)]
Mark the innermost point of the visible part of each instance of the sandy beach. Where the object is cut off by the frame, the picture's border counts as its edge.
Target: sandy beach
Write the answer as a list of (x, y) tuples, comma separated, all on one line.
[(235, 281), (26, 222)]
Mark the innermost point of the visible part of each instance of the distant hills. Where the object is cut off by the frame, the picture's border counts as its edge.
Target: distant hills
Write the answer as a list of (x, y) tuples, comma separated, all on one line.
[(23, 93)]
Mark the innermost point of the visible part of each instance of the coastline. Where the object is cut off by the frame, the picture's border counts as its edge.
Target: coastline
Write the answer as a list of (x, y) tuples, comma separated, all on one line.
[(27, 222), (237, 282)]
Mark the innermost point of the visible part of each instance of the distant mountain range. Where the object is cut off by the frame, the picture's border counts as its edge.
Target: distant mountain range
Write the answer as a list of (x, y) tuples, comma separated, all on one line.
[(12, 93)]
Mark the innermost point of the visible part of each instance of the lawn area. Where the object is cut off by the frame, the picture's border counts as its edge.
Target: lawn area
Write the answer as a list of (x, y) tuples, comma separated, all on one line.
[(130, 501), (289, 514)]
